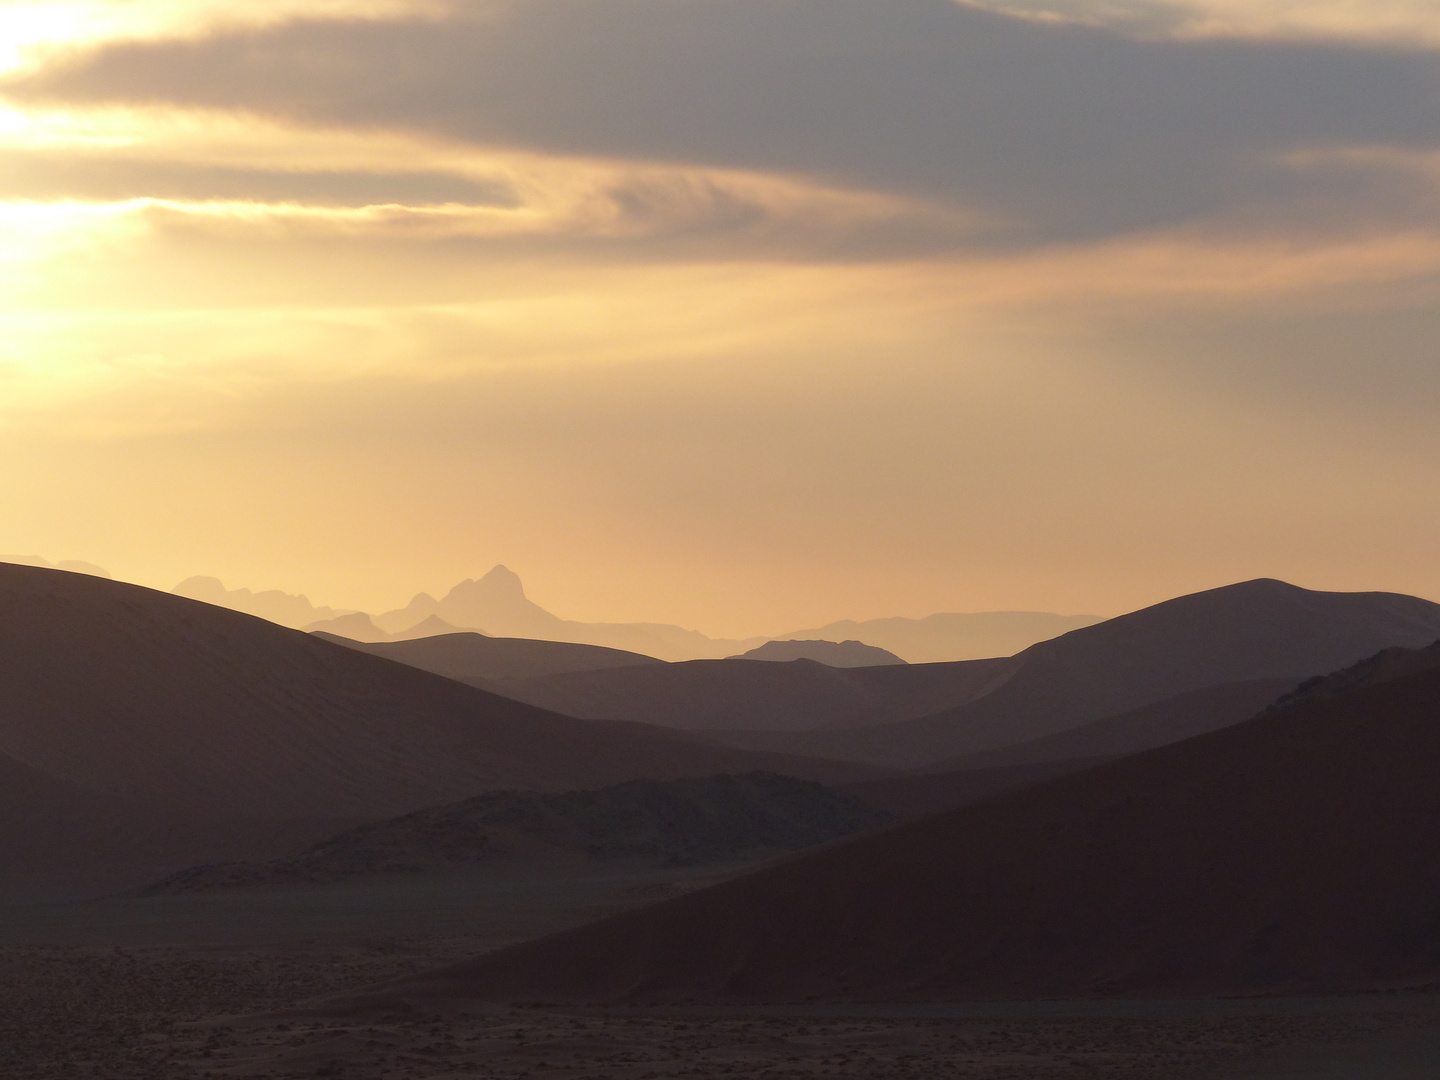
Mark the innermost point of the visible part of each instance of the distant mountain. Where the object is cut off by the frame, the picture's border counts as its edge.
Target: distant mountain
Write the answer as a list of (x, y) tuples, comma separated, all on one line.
[(952, 636), (838, 654), (497, 605), (1290, 854), (484, 660), (661, 823), (357, 626), (145, 699), (1254, 630), (286, 609)]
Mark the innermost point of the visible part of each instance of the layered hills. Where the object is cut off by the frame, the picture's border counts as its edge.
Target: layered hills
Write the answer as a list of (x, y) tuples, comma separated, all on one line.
[(695, 821), (1159, 674), (968, 779), (1254, 630), (484, 660), (758, 695), (951, 635), (1293, 853), (840, 654), (144, 699), (496, 604)]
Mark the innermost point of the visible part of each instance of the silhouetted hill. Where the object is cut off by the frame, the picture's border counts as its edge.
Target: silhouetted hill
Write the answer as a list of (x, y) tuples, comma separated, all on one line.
[(951, 635), (689, 822), (698, 695), (979, 776), (1255, 630), (434, 626), (1293, 853), (1392, 663), (839, 654), (928, 715), (1156, 724), (151, 698), (357, 626), (485, 659)]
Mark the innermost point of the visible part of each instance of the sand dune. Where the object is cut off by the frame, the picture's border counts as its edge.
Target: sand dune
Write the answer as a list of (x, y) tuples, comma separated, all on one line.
[(472, 656), (1256, 630), (1156, 724), (970, 779), (929, 715), (758, 695), (150, 698), (1291, 853), (951, 635), (840, 654), (59, 839), (691, 822)]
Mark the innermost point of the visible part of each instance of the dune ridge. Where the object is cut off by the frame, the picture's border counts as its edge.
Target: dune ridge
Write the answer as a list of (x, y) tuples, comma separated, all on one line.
[(1288, 854), (149, 698)]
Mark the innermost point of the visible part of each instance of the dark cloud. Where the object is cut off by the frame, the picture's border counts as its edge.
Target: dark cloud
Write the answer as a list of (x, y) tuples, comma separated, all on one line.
[(1067, 131)]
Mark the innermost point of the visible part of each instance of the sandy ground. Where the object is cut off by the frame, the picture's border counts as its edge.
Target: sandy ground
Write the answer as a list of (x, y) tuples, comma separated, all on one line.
[(208, 987), (193, 1012)]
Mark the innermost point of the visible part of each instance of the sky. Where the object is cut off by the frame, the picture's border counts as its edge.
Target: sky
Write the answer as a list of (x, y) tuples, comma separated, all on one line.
[(740, 314)]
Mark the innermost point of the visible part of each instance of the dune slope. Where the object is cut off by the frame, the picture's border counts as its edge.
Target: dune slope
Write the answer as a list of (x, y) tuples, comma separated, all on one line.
[(695, 821), (151, 698), (468, 655), (1294, 852), (1254, 630)]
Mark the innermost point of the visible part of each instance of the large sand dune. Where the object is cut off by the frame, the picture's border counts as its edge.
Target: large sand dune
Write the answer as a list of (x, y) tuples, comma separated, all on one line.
[(756, 695), (470, 656), (1255, 630), (1291, 853), (147, 698)]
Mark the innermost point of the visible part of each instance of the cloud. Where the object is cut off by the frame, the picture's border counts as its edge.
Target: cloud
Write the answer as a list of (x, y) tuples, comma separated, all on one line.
[(31, 31), (1058, 131), (59, 175), (1403, 22)]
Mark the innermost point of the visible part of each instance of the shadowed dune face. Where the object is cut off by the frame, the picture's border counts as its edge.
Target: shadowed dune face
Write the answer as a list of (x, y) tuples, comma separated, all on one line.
[(1255, 630), (840, 654), (760, 695), (154, 699), (1294, 852), (469, 655), (928, 715), (696, 821), (60, 840)]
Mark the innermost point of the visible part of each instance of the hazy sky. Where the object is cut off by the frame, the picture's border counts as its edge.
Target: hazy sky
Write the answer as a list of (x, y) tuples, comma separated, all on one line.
[(743, 314)]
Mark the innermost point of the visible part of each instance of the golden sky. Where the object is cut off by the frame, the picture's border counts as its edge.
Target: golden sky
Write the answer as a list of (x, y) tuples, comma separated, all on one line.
[(742, 314)]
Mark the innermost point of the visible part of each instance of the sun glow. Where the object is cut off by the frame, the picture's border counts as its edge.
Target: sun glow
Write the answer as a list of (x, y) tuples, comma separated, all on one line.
[(31, 30)]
